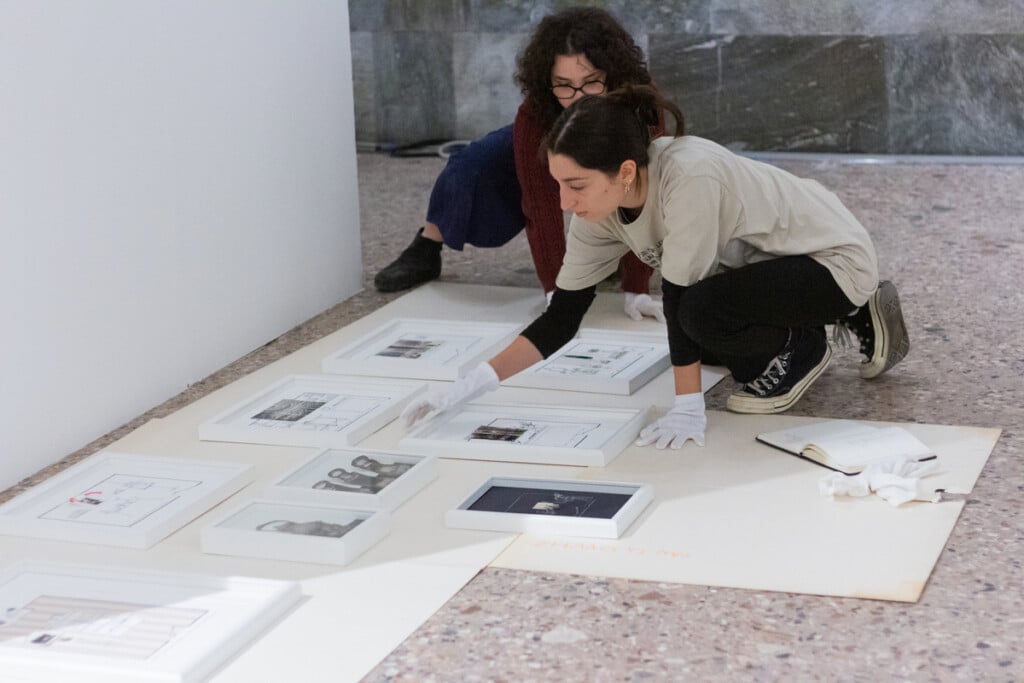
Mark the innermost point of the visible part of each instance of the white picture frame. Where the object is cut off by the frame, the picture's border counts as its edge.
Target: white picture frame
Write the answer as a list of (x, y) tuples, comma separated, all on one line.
[(556, 507), (320, 411), (295, 532), (372, 479), (91, 624), (552, 435), (599, 361), (122, 499), (419, 348)]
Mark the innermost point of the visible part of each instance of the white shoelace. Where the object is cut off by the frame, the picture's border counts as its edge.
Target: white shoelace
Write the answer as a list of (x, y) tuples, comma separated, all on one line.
[(841, 335), (767, 380)]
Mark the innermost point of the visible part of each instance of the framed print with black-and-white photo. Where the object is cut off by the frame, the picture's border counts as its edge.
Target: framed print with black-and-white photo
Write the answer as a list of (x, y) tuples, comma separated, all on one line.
[(358, 478), (421, 349), (91, 624), (122, 499), (324, 411), (295, 532), (599, 361), (593, 509), (552, 435)]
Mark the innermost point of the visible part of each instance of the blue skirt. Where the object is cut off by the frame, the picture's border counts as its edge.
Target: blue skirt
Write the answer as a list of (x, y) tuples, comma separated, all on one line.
[(477, 200)]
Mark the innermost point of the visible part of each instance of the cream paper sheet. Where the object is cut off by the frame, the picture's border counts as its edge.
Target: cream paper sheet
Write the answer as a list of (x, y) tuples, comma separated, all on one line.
[(733, 513), (741, 514)]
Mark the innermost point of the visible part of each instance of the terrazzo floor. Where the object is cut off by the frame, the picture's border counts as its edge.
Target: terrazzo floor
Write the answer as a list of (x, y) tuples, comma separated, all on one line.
[(949, 235)]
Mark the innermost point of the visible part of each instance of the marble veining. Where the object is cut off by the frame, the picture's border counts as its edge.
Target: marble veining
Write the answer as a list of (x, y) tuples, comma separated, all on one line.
[(870, 76)]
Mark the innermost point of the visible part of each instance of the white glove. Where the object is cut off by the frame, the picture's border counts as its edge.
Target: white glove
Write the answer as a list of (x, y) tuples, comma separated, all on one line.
[(897, 480), (685, 421), (640, 305), (478, 382)]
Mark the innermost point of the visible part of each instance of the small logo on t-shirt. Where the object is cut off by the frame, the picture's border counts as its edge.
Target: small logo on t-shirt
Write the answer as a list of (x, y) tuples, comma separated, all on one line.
[(651, 255)]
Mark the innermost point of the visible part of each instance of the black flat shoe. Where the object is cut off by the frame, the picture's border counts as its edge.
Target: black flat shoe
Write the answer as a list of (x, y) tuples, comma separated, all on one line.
[(420, 262)]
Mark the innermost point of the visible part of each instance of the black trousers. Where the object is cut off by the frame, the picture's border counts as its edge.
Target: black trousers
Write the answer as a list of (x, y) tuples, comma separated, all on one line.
[(742, 318)]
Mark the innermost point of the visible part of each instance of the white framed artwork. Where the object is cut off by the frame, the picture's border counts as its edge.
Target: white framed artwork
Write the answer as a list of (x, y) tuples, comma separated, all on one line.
[(599, 361), (357, 478), (421, 349), (91, 624), (552, 435), (122, 499), (322, 411), (560, 507), (295, 532)]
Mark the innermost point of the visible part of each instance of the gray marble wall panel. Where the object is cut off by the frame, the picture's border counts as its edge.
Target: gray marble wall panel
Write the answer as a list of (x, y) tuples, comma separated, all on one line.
[(485, 92), (406, 15), (949, 94), (865, 17), (364, 86), (806, 94), (415, 90), (871, 76)]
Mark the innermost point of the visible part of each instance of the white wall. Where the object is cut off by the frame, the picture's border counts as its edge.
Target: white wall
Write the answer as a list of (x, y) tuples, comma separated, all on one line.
[(177, 187)]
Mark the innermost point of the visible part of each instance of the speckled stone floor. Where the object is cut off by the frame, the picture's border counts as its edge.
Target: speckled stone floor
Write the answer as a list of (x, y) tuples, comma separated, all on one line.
[(950, 236)]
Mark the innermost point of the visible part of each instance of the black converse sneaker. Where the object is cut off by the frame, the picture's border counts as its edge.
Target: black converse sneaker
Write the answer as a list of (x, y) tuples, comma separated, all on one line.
[(420, 262), (880, 329), (804, 357)]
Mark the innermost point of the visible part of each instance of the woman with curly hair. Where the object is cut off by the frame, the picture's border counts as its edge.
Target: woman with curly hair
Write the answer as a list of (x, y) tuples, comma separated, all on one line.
[(499, 185)]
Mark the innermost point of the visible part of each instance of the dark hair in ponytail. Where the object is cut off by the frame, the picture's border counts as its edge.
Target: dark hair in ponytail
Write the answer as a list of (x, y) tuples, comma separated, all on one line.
[(602, 131)]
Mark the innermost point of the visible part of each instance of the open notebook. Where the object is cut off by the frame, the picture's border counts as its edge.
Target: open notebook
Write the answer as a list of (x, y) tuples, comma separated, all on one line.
[(846, 445)]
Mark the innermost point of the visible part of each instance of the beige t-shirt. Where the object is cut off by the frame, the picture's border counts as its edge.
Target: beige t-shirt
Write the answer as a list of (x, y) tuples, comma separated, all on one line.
[(709, 210)]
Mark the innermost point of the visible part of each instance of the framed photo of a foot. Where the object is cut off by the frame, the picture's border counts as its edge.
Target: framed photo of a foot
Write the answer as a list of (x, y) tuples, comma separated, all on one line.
[(358, 478), (322, 411), (593, 509), (122, 499), (421, 349), (295, 532), (553, 435), (92, 624), (599, 361)]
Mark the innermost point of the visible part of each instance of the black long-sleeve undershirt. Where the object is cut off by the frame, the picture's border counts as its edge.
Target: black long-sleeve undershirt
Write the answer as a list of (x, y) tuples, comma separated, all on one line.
[(682, 349), (559, 323)]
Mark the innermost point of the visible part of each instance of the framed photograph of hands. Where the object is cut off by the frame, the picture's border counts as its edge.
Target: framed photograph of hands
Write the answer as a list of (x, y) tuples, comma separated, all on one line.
[(322, 411), (421, 349), (359, 478), (599, 361), (91, 624), (559, 507), (295, 532), (122, 499), (552, 435)]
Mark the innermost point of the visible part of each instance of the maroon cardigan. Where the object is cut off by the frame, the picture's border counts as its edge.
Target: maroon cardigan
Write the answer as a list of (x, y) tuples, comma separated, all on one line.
[(545, 226)]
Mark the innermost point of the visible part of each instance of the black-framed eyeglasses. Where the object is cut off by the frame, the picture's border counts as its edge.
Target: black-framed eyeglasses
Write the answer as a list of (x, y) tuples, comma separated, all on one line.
[(565, 91)]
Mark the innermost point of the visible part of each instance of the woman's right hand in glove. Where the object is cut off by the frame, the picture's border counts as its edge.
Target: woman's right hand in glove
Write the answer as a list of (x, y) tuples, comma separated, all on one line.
[(478, 382)]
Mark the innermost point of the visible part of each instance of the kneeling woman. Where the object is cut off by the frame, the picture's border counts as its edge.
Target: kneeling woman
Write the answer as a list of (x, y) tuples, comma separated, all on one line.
[(754, 262)]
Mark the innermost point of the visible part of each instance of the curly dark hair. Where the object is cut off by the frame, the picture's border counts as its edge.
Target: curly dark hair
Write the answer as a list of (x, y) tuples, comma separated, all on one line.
[(589, 31)]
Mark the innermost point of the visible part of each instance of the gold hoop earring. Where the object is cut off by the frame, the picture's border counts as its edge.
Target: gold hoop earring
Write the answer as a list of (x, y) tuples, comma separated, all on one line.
[(627, 186)]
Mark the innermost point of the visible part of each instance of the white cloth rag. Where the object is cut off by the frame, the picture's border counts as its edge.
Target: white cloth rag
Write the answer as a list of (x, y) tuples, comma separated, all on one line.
[(897, 480)]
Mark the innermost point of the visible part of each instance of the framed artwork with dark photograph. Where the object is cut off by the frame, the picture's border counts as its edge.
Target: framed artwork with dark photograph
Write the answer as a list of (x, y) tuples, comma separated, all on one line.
[(295, 532), (70, 622), (553, 435), (122, 499), (599, 361), (560, 507), (421, 349), (358, 478), (322, 411)]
